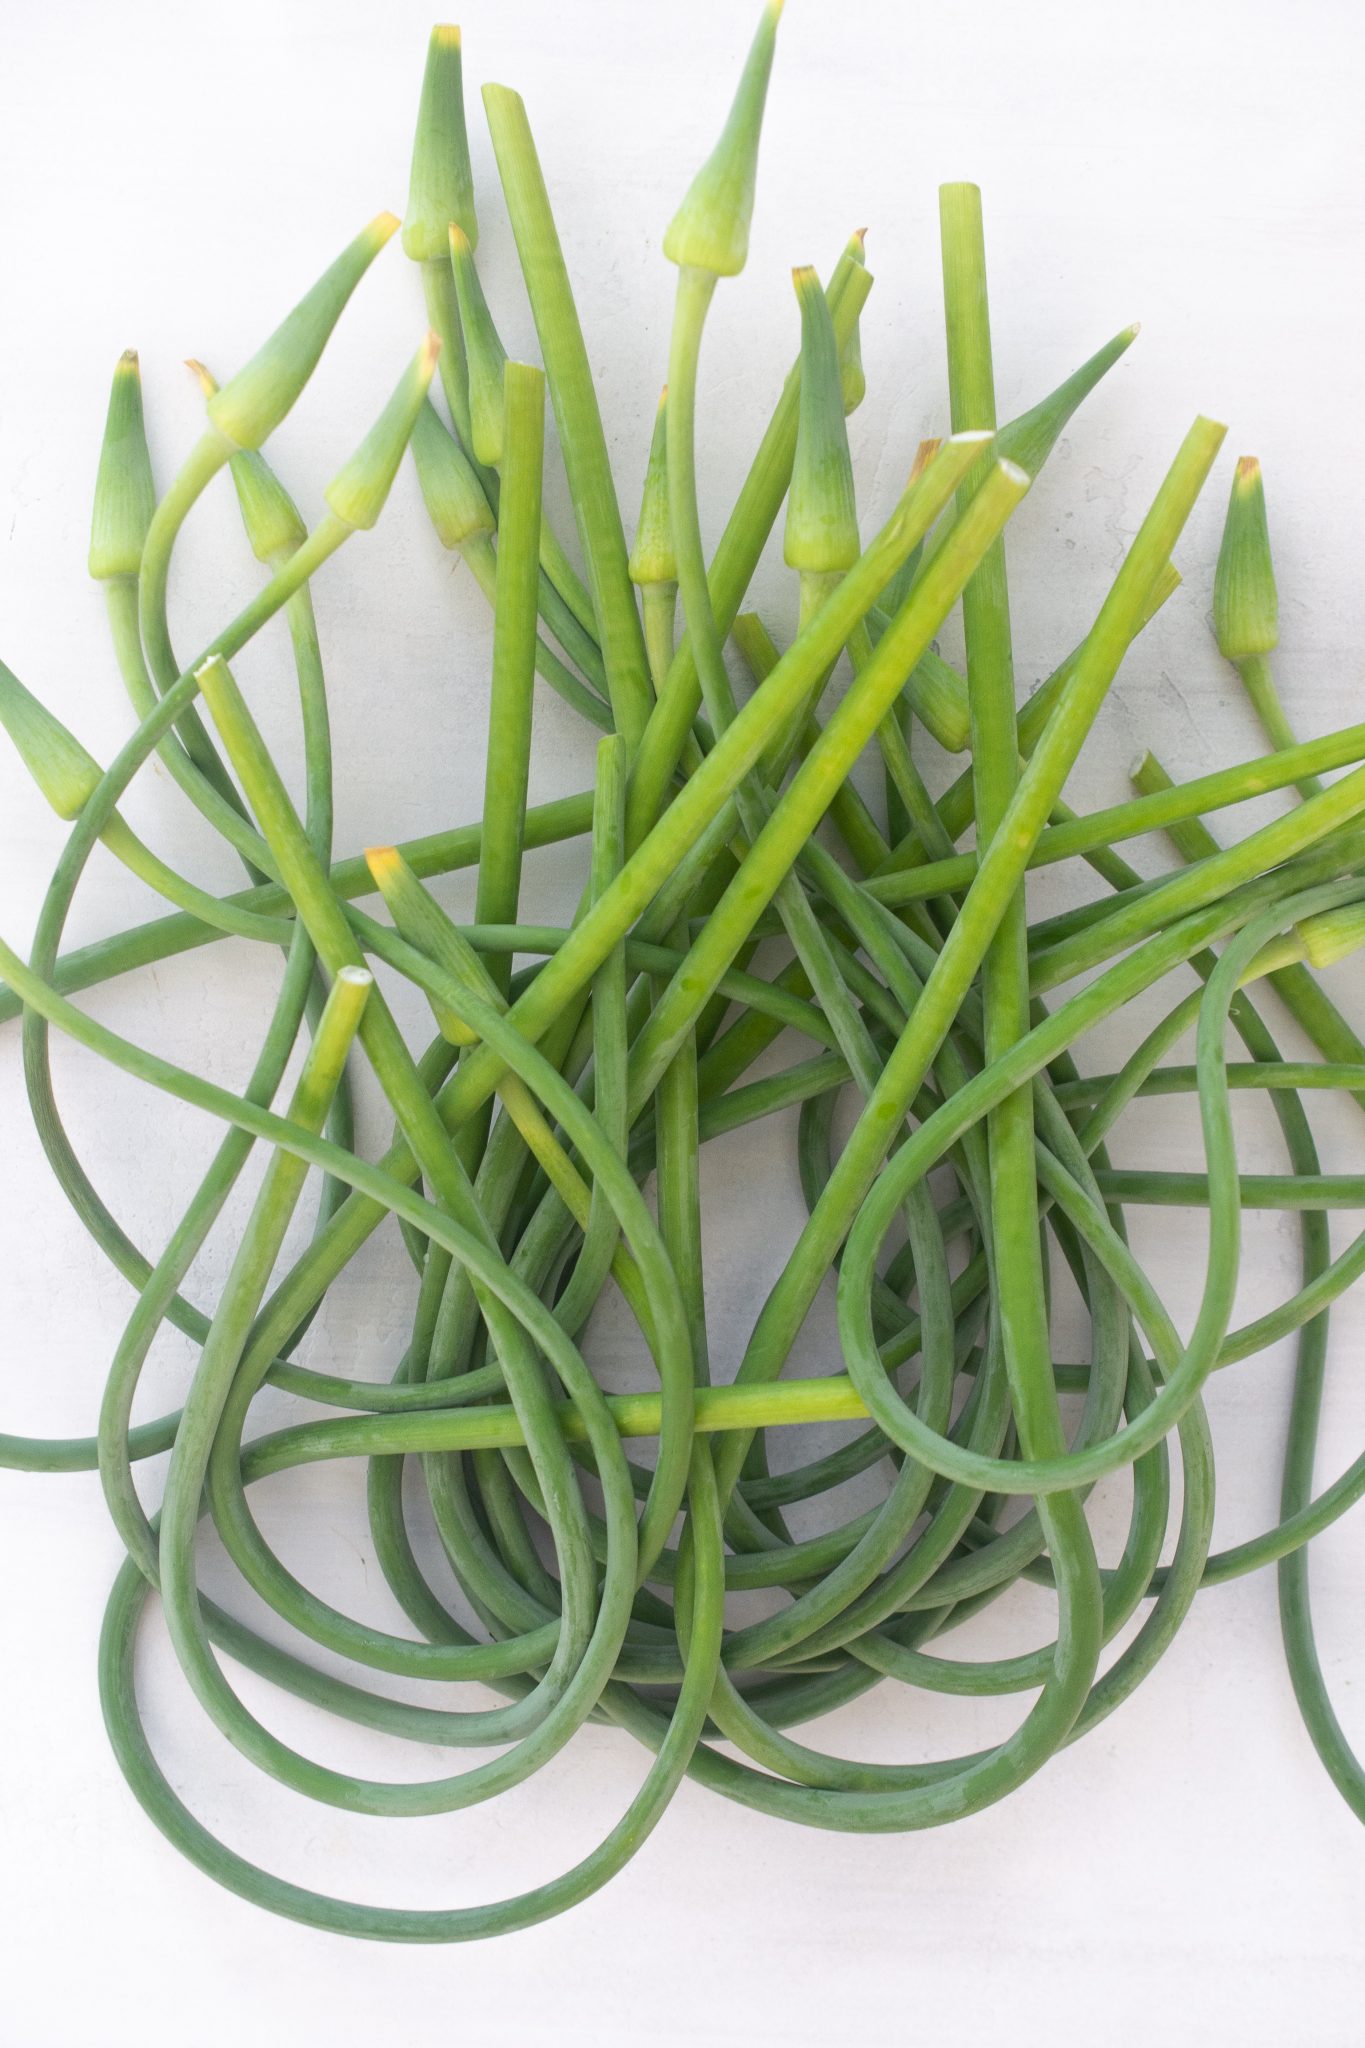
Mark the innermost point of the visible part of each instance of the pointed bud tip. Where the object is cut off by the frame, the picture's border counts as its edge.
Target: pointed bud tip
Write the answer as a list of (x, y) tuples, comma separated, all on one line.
[(1248, 472), (127, 364), (446, 35), (381, 860), (924, 455), (207, 382)]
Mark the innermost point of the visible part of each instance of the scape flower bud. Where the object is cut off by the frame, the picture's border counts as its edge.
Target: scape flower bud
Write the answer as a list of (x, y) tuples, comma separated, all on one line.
[(710, 230), (1031, 438), (1245, 603), (1332, 935), (452, 493), (273, 523), (652, 559), (358, 490), (250, 406), (441, 186), (54, 757), (125, 496), (851, 361), (822, 523)]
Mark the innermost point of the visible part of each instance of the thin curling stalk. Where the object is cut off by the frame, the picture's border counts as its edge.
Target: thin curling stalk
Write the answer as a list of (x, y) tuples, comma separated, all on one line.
[(964, 948), (995, 769)]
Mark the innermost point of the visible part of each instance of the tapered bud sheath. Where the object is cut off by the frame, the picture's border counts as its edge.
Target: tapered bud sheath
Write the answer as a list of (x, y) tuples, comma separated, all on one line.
[(924, 455), (441, 187), (125, 496), (1333, 934), (939, 696), (851, 376), (453, 495), (357, 492), (1031, 438), (54, 757), (710, 230), (1246, 615), (273, 523), (822, 524), (652, 559), (251, 405), (421, 921), (484, 352)]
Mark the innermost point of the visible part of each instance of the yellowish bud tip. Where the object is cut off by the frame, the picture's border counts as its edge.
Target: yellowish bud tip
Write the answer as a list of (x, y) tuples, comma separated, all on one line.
[(429, 351), (803, 274), (459, 240), (924, 455), (1248, 472), (859, 235), (446, 35), (382, 226), (208, 383), (663, 399), (382, 860), (127, 364), (775, 9)]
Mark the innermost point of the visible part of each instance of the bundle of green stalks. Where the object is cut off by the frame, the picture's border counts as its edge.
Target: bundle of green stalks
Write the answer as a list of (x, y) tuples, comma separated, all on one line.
[(743, 892)]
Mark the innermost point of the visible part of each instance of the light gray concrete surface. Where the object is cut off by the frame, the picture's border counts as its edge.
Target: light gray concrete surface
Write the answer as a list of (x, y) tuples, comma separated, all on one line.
[(172, 180)]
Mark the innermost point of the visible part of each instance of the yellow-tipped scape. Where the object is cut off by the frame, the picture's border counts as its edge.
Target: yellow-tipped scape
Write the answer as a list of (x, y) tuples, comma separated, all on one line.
[(710, 230), (251, 405), (357, 492)]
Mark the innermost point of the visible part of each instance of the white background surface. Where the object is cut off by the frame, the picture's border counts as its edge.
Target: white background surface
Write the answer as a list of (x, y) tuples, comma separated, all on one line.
[(173, 180)]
